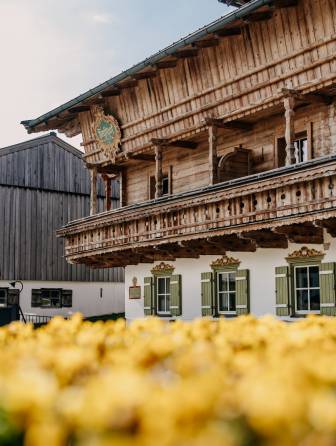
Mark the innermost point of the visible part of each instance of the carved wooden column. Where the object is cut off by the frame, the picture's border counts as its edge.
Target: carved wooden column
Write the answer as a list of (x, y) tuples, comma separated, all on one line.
[(93, 192), (158, 171), (213, 158), (122, 188), (108, 190), (289, 102)]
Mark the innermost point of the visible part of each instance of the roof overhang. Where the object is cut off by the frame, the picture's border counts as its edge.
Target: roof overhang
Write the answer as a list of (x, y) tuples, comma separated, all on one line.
[(66, 113)]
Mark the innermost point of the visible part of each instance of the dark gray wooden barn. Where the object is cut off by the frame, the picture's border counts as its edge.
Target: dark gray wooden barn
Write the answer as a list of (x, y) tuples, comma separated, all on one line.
[(43, 185)]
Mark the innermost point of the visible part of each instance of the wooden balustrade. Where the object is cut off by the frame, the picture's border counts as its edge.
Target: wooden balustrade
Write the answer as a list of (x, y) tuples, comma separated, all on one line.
[(252, 209)]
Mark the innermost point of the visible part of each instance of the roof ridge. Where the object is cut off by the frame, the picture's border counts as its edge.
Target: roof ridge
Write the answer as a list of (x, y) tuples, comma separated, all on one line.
[(51, 136)]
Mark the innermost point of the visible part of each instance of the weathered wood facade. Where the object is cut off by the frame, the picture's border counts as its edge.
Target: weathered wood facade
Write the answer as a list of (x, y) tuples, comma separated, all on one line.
[(230, 101), (43, 185)]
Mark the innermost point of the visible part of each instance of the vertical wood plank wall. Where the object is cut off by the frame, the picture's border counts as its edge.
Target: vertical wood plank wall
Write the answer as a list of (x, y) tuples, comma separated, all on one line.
[(43, 185), (191, 167)]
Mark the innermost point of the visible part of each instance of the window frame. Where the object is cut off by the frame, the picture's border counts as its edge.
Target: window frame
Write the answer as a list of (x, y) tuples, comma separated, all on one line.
[(298, 139), (157, 294), (295, 288), (6, 297), (60, 297), (217, 274)]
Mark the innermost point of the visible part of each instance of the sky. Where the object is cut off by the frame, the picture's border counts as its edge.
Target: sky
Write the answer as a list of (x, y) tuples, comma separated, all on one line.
[(53, 50)]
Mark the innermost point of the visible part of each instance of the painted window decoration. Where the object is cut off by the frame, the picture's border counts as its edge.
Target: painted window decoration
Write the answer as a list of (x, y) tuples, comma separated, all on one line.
[(51, 298), (307, 288), (225, 290), (305, 285), (163, 292)]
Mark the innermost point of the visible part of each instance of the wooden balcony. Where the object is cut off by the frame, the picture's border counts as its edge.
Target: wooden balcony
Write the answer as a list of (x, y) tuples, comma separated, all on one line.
[(267, 210)]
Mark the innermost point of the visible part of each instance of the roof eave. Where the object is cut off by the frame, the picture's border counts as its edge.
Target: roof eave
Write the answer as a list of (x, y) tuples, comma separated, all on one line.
[(31, 124)]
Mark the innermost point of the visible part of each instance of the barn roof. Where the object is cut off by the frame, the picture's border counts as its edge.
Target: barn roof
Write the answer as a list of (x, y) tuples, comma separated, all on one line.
[(223, 22)]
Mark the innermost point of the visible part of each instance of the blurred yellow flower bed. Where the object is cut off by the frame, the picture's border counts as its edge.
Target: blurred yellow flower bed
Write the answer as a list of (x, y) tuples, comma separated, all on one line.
[(238, 382)]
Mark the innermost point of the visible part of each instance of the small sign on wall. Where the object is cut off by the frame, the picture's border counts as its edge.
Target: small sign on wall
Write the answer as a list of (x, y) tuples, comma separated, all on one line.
[(135, 290)]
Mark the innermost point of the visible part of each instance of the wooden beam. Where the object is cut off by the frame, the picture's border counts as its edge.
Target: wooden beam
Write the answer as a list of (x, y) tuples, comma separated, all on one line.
[(79, 108), (108, 190), (143, 157), (112, 92), (258, 16), (206, 43), (158, 171), (122, 186), (329, 224), (285, 3), (289, 103), (315, 98), (165, 142), (228, 32), (233, 243), (184, 144), (131, 83), (145, 75), (186, 53), (97, 100), (301, 233), (171, 63), (213, 157), (93, 191), (265, 238), (235, 125)]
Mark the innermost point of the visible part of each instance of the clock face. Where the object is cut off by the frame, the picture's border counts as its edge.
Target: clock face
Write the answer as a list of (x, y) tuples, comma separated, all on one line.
[(106, 131)]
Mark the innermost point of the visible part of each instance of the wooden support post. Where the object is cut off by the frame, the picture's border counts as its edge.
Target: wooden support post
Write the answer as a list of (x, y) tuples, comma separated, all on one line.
[(289, 103), (122, 190), (108, 190), (158, 171), (93, 192), (213, 158)]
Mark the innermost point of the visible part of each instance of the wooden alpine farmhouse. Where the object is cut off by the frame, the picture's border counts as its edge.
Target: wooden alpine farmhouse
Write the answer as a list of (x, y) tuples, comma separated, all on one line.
[(225, 147)]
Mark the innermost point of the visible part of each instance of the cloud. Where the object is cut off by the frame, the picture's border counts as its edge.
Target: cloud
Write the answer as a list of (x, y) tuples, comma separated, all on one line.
[(103, 18)]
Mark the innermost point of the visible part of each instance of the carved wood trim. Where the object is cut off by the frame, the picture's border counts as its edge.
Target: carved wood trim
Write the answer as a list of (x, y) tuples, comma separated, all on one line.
[(163, 268), (224, 261)]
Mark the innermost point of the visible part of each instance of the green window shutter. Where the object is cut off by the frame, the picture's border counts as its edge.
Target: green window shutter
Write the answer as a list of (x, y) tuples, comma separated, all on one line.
[(148, 296), (282, 290), (327, 288), (66, 296), (207, 293), (13, 297), (176, 295), (242, 291), (36, 300)]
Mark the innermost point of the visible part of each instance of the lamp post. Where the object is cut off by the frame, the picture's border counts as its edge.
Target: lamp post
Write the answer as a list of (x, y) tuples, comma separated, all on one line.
[(12, 284)]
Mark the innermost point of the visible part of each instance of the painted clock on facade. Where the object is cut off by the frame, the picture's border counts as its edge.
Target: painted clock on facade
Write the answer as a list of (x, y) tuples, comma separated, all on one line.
[(107, 133)]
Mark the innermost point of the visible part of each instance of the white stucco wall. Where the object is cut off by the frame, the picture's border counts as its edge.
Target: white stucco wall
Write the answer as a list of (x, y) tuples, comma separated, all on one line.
[(261, 265), (85, 297)]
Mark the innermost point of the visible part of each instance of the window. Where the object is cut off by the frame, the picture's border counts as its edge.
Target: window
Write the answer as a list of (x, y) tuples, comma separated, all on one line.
[(163, 295), (166, 185), (301, 149), (51, 298), (307, 289), (226, 292), (3, 297)]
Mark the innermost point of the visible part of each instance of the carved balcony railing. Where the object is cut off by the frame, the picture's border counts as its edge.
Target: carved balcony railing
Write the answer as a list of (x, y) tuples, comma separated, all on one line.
[(292, 203)]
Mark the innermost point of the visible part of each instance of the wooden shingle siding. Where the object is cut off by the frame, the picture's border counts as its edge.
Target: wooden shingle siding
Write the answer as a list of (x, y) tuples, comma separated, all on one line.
[(44, 185)]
